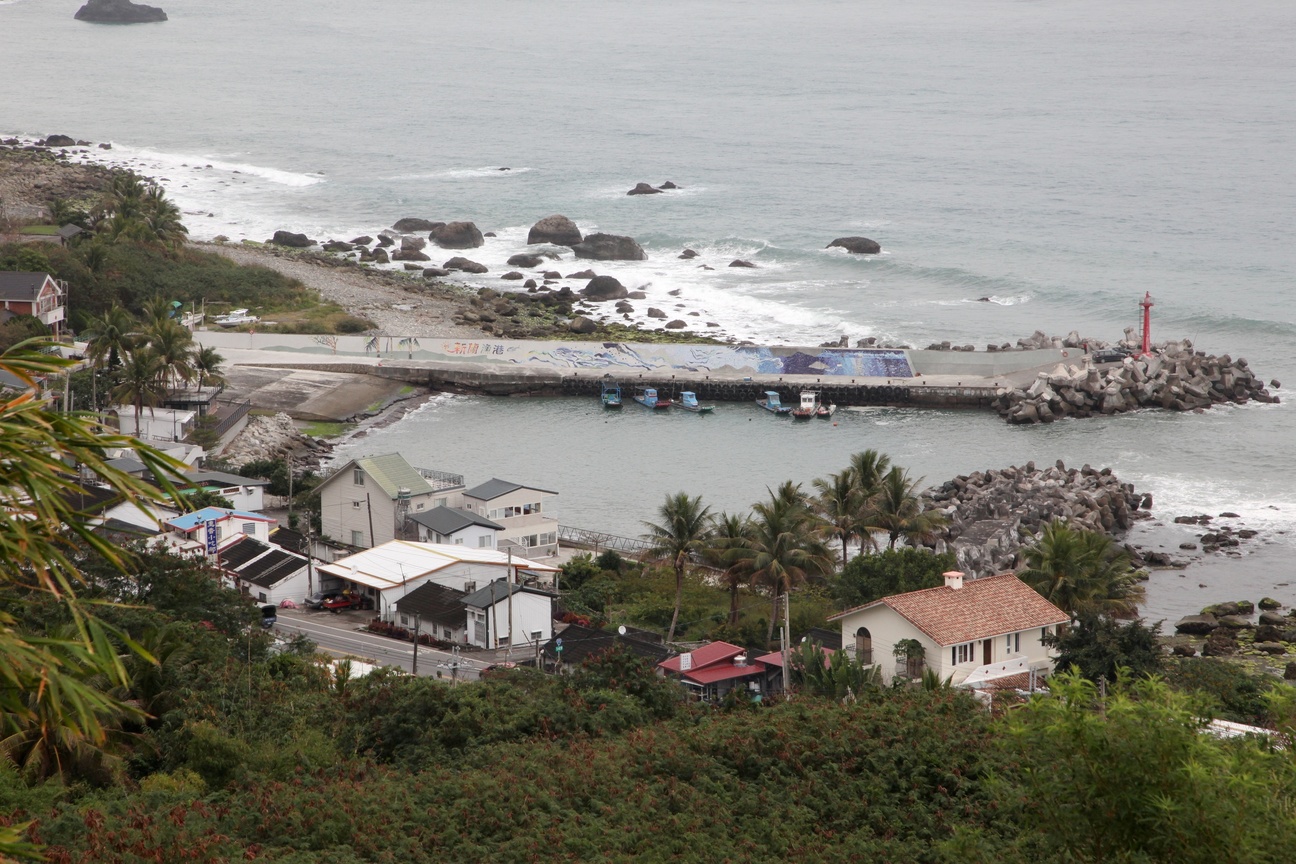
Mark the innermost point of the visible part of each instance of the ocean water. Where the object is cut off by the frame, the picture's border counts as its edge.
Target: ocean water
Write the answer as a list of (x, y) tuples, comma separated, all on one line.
[(1058, 159)]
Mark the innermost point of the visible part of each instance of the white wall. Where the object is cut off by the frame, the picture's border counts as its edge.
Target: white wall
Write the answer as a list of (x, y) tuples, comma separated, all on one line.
[(532, 613), (468, 537), (345, 507), (293, 588)]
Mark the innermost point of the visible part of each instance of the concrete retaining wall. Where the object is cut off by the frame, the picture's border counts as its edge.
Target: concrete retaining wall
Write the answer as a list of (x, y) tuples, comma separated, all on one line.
[(987, 364)]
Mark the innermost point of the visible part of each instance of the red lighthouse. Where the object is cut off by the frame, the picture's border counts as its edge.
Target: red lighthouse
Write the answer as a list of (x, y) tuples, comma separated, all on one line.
[(1146, 305)]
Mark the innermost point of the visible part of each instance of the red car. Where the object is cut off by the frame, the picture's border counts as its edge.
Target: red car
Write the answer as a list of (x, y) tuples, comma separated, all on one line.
[(339, 602)]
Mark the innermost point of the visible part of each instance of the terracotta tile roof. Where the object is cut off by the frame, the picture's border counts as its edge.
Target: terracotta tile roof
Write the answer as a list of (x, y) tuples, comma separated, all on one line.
[(985, 607)]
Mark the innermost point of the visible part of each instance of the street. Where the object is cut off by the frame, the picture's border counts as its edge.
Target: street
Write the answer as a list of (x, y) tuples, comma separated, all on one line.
[(336, 635)]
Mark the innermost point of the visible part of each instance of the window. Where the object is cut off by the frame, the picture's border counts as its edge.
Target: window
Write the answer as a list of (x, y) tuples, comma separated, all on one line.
[(249, 528), (355, 505), (441, 502), (535, 635), (447, 633), (261, 596), (1044, 631), (458, 541), (470, 587), (357, 476), (357, 538), (1013, 643), (404, 620), (419, 506), (484, 541), (962, 653)]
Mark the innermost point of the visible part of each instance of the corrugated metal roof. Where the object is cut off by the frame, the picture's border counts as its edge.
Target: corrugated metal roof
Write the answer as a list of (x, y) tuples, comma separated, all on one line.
[(15, 285), (495, 487), (392, 473), (448, 520), (397, 561)]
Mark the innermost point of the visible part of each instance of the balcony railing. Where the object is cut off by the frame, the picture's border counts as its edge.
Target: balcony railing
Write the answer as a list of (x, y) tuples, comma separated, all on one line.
[(441, 479)]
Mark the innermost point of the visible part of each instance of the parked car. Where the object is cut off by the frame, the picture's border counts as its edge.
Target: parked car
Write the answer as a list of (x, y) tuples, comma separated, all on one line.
[(346, 600), (1109, 355), (269, 616), (316, 600)]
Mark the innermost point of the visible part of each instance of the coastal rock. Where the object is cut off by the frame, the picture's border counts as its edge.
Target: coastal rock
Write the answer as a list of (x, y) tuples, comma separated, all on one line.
[(1289, 673), (677, 324), (465, 265), (288, 238), (644, 189), (1271, 617), (457, 235), (514, 276), (556, 229), (602, 288), (410, 255), (688, 254), (581, 274), (119, 12), (1269, 603), (669, 185), (609, 247), (552, 274), (581, 324), (1235, 622), (856, 245), (435, 273), (741, 263), (337, 246), (60, 140), (385, 240), (410, 224), (526, 259), (1275, 649), (1184, 651), (656, 313), (362, 240), (1197, 625), (414, 244), (379, 256)]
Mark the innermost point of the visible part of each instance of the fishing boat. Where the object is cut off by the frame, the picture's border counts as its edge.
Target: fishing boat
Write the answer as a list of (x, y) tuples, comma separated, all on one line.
[(772, 404), (647, 397), (234, 318), (825, 411), (611, 395), (809, 406), (688, 401)]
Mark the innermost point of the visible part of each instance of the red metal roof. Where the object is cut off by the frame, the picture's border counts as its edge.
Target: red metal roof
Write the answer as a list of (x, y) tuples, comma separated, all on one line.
[(714, 652), (723, 672), (985, 607)]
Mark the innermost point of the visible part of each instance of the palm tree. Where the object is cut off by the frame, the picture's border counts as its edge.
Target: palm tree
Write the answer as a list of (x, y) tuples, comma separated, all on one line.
[(173, 344), (838, 505), (868, 467), (162, 218), (898, 510), (730, 534), (207, 363), (1082, 572), (109, 337), (141, 382), (682, 532), (784, 549)]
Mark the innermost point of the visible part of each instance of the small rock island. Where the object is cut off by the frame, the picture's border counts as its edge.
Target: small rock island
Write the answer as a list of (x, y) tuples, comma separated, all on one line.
[(119, 12)]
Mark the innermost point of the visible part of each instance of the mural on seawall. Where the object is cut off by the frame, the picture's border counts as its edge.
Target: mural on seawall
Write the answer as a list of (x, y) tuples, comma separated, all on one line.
[(854, 362)]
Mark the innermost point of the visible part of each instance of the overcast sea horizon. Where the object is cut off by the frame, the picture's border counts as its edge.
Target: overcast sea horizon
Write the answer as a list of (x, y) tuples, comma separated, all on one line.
[(1057, 159)]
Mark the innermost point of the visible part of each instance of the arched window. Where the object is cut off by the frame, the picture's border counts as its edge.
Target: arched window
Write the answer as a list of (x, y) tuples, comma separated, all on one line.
[(863, 645)]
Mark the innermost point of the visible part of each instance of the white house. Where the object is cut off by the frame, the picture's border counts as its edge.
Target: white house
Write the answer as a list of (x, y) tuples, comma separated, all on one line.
[(972, 631), (243, 493), (155, 424), (367, 501), (529, 515), (501, 614), (435, 610), (267, 573), (187, 533), (387, 573), (456, 527)]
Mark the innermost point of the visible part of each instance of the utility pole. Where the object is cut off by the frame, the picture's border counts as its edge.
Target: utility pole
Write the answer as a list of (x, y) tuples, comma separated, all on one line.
[(508, 652), (787, 636), (289, 459), (417, 619), (369, 507)]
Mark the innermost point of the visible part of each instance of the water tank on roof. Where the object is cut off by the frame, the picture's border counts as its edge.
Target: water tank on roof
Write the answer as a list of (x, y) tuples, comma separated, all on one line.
[(403, 493)]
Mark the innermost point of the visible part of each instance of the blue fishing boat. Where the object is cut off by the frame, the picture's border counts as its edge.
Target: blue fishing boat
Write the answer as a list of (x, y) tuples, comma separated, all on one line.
[(647, 397), (772, 404), (688, 401), (611, 395)]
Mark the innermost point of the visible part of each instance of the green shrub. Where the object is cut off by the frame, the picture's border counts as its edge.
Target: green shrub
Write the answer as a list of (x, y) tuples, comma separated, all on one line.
[(352, 324)]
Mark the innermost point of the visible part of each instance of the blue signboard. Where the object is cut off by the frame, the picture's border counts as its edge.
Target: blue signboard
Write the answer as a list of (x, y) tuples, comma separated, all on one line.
[(212, 535)]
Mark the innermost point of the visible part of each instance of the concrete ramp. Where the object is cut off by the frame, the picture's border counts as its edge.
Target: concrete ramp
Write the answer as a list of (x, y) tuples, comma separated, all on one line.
[(310, 395)]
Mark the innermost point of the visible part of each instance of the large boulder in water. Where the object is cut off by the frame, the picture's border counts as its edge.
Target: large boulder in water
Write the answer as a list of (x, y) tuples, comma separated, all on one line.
[(609, 247), (857, 245), (602, 288), (525, 259), (288, 238), (465, 265), (60, 141), (581, 324), (644, 189), (119, 12), (457, 235), (556, 229), (410, 223)]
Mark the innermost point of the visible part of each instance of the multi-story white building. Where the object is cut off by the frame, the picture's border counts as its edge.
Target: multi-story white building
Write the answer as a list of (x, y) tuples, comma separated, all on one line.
[(528, 515)]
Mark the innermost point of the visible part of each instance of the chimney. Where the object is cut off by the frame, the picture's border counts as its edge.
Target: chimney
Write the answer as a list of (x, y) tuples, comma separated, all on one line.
[(953, 579)]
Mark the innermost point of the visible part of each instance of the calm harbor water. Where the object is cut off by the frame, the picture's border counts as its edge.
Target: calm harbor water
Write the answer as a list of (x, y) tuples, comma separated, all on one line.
[(1024, 165)]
